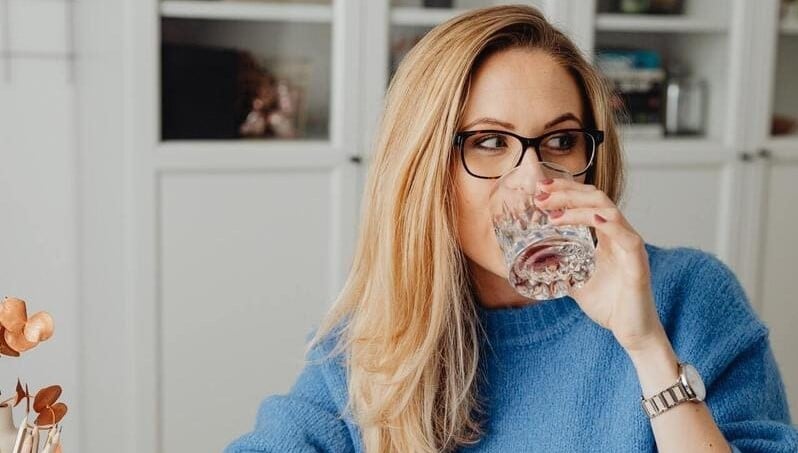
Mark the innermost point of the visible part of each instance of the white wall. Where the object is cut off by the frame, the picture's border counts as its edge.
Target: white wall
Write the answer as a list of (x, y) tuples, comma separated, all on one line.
[(38, 193)]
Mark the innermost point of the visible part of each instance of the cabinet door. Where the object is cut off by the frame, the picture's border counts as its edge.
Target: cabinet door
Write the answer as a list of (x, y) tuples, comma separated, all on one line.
[(249, 261), (248, 238), (779, 251), (682, 203), (773, 124), (682, 189)]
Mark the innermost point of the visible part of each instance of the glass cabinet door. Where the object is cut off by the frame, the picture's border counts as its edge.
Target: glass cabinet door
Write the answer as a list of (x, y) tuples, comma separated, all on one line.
[(664, 63), (245, 69), (784, 120), (412, 19), (777, 210)]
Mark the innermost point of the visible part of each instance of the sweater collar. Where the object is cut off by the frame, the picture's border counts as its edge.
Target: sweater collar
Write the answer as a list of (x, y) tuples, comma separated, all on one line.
[(532, 323)]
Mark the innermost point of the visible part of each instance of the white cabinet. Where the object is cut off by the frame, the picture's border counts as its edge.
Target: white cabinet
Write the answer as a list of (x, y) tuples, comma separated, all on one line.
[(771, 241), (686, 203), (732, 192), (778, 254), (234, 248), (248, 259), (683, 190)]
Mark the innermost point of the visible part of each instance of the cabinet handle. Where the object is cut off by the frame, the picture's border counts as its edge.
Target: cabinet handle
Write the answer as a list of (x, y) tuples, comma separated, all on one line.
[(764, 154), (746, 156), (355, 159)]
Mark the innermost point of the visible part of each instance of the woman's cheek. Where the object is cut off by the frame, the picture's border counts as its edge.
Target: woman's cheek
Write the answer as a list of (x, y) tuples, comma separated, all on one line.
[(494, 253), (477, 239), (481, 245)]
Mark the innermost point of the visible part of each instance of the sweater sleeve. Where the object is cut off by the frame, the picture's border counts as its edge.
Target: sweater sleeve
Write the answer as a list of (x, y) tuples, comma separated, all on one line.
[(749, 403), (304, 420), (718, 330)]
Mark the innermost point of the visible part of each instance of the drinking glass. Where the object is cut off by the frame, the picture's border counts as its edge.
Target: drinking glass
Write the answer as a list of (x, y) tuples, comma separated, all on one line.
[(544, 261)]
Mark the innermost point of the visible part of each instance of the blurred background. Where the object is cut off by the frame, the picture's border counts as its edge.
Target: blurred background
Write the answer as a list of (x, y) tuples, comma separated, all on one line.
[(180, 181)]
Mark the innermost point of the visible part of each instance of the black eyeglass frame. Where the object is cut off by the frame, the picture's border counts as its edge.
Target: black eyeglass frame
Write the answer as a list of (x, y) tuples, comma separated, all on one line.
[(526, 142)]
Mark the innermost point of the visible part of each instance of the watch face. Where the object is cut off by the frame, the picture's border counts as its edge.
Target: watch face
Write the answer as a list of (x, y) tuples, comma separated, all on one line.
[(694, 381)]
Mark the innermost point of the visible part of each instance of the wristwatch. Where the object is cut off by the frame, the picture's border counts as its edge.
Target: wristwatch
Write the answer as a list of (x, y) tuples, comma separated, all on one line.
[(689, 387)]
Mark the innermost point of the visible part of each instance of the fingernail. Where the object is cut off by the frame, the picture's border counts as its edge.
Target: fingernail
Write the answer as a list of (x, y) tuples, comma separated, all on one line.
[(542, 196), (599, 219), (555, 214), (547, 181)]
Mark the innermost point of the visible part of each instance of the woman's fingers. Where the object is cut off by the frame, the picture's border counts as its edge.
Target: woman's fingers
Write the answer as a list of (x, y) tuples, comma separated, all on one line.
[(571, 202), (614, 225), (572, 198), (561, 184), (583, 216)]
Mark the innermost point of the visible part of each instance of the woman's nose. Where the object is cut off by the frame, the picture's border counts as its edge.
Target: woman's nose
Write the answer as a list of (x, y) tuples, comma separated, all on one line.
[(530, 166), (530, 157), (529, 171)]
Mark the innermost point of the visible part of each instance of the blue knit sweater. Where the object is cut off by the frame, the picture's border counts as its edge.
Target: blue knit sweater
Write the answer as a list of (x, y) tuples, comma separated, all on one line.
[(558, 382)]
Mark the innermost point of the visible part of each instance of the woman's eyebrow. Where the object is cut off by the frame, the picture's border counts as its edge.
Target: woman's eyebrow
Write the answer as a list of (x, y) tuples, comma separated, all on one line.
[(562, 118), (493, 121)]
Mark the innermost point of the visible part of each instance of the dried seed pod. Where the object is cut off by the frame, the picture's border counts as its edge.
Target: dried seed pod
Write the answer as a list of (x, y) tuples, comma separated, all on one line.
[(51, 415), (5, 349), (39, 327), (17, 341), (46, 397), (13, 314)]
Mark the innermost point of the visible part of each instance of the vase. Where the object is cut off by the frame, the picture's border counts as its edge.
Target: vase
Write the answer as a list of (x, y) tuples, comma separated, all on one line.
[(8, 433)]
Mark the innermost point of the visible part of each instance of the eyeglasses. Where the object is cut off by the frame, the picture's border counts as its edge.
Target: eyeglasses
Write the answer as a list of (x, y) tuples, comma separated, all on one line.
[(488, 154)]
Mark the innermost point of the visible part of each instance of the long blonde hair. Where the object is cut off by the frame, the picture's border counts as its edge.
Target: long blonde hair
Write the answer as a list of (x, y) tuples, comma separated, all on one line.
[(405, 319)]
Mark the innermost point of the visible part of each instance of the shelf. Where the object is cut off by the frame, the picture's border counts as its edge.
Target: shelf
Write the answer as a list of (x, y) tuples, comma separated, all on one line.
[(422, 17), (674, 144), (789, 26), (783, 142), (644, 23), (242, 10), (244, 145), (675, 151), (188, 155)]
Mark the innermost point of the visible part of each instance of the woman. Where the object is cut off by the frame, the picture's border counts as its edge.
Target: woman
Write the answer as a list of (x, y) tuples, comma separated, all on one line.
[(429, 349)]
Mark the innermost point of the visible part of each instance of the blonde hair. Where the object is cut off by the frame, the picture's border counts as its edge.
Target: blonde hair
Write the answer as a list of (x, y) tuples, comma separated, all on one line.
[(406, 319)]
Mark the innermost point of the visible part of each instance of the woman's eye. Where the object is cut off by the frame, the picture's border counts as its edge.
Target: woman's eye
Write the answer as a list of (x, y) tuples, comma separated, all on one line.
[(561, 142), (494, 142)]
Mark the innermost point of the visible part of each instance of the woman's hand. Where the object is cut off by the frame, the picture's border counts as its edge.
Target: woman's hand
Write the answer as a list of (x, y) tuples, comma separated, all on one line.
[(618, 295)]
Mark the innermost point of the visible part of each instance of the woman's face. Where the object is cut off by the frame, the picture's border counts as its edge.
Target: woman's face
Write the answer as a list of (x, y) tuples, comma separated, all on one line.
[(522, 91)]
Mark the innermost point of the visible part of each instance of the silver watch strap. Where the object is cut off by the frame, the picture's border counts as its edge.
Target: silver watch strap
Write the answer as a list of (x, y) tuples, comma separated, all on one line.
[(664, 400)]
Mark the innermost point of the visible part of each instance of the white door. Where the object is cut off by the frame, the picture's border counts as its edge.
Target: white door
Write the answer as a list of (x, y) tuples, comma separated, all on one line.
[(252, 240), (773, 245), (778, 263), (248, 260), (683, 200)]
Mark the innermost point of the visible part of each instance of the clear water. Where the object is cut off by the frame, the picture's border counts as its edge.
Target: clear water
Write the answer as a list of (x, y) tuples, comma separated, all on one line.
[(544, 261)]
